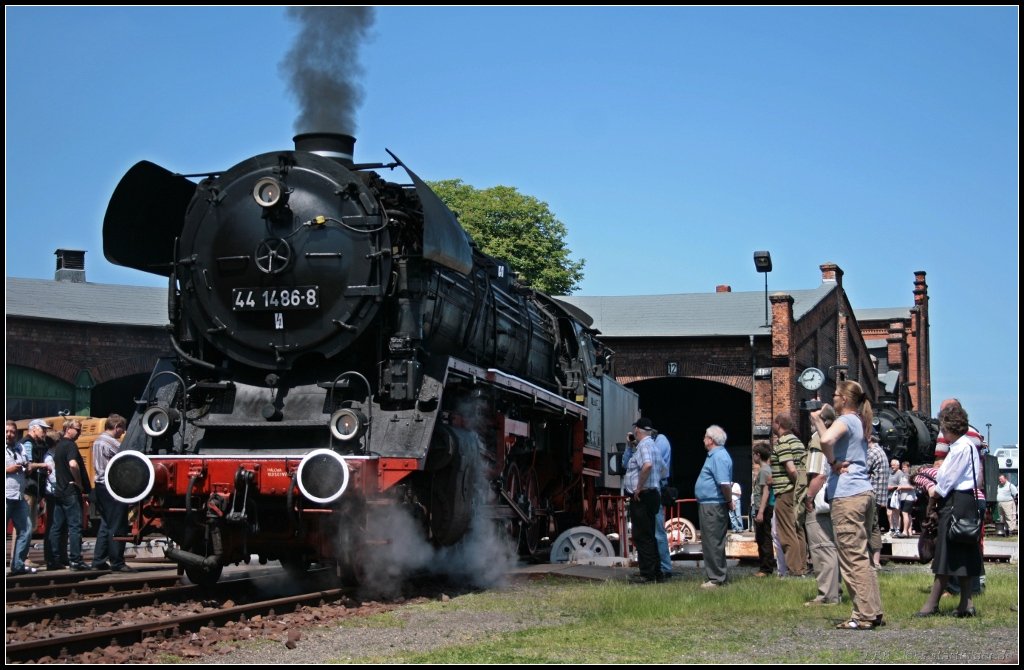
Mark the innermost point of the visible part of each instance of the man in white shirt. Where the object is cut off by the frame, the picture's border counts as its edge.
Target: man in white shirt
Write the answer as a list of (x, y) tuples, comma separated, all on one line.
[(1007, 499)]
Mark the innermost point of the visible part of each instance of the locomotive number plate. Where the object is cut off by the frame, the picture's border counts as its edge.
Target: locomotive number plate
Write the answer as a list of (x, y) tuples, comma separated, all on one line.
[(275, 299)]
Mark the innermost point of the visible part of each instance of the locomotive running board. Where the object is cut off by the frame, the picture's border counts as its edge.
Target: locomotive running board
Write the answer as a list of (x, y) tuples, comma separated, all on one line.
[(518, 386)]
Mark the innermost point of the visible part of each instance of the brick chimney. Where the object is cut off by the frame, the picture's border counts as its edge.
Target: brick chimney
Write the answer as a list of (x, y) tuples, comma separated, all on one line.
[(830, 272), (723, 288), (70, 265)]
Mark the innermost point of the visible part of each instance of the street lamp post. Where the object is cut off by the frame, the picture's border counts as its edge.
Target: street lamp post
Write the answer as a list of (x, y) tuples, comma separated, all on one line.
[(988, 438), (763, 263)]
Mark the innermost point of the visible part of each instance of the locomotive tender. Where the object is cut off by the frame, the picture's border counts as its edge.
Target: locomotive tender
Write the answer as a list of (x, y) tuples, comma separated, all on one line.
[(341, 345)]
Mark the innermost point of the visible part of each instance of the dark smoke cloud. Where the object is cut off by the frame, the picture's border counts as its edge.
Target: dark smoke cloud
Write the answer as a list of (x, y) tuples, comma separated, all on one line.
[(323, 67)]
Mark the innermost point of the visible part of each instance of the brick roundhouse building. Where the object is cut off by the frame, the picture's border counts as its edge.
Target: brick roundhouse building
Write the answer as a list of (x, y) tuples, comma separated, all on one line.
[(695, 359), (710, 358)]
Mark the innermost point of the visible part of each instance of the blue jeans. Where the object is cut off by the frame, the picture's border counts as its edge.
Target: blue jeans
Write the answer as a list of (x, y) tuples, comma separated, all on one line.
[(17, 513), (662, 538), (735, 521), (113, 517), (67, 513), (55, 554)]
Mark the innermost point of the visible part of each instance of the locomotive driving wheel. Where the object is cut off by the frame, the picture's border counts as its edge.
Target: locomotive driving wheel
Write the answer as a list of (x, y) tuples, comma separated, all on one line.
[(530, 536), (514, 488)]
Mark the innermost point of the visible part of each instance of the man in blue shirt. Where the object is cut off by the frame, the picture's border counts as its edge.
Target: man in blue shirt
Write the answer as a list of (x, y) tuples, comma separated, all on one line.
[(641, 483), (714, 498)]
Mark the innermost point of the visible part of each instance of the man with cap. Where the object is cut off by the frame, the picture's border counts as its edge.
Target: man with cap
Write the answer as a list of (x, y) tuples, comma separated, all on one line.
[(34, 445), (641, 483)]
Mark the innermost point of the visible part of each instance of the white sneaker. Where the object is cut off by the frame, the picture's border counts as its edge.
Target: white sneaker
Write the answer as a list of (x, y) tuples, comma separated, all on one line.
[(710, 585)]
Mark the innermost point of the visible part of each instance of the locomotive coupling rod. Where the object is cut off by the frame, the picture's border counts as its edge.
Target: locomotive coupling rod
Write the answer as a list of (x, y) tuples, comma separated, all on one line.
[(515, 508)]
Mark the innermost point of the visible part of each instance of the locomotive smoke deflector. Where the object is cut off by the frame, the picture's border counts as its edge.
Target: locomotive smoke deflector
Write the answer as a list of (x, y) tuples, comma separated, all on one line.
[(445, 241), (144, 217)]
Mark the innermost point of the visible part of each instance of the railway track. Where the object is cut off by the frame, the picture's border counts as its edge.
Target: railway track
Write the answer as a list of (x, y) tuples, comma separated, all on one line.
[(54, 585), (63, 621)]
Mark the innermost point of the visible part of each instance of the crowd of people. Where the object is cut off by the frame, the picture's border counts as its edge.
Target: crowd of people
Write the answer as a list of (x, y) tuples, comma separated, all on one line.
[(815, 507), (821, 507), (46, 465)]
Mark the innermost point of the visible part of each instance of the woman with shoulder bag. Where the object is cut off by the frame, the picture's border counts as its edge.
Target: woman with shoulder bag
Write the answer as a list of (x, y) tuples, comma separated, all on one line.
[(954, 490)]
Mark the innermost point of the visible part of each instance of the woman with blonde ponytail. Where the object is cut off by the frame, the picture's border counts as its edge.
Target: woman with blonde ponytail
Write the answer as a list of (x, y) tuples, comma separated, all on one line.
[(849, 490)]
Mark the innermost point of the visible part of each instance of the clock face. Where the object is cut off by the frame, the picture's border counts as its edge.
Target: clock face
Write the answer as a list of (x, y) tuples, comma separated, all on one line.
[(812, 379)]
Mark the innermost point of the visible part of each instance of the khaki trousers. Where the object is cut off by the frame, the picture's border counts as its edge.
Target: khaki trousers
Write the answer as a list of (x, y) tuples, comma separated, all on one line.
[(824, 555), (849, 517), (792, 539)]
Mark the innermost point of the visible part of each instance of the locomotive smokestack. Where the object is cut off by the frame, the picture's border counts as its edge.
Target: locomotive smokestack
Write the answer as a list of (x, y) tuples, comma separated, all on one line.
[(338, 146), (322, 67)]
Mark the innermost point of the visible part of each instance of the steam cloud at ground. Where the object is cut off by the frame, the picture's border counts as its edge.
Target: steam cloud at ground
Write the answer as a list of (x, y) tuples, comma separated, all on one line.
[(482, 558)]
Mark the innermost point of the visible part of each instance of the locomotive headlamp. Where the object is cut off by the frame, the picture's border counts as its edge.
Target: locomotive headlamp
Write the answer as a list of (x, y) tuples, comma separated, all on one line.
[(348, 424), (132, 477), (322, 476), (268, 192), (159, 420)]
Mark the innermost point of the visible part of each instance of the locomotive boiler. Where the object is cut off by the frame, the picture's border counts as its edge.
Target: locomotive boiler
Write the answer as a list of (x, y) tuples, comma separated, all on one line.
[(342, 346), (906, 436)]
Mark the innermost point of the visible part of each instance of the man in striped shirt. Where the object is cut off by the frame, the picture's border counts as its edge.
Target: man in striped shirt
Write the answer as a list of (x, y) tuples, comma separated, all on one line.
[(789, 480)]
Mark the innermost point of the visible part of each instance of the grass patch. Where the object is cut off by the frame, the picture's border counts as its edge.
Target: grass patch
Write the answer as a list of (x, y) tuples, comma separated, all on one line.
[(750, 620)]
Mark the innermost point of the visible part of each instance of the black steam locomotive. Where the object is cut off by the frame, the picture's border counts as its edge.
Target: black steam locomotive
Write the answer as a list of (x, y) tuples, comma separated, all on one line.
[(906, 436), (341, 346)]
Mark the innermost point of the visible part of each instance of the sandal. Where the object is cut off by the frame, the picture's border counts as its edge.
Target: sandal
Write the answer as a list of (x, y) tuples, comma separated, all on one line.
[(854, 624), (922, 614)]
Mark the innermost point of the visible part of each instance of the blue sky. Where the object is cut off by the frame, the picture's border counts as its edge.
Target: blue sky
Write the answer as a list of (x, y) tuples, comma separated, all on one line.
[(672, 142)]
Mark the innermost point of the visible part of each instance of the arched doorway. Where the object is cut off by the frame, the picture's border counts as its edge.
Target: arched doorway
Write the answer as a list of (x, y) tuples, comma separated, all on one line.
[(682, 409), (118, 395)]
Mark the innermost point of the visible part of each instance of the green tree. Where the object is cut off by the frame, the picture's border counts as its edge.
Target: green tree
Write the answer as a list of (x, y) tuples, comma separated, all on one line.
[(518, 229)]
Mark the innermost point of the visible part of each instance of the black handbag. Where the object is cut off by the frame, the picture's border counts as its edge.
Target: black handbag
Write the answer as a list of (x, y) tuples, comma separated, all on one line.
[(669, 495), (966, 529), (963, 530)]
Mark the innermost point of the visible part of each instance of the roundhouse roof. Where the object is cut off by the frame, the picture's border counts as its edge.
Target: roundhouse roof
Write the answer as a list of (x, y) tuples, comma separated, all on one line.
[(88, 302), (689, 314)]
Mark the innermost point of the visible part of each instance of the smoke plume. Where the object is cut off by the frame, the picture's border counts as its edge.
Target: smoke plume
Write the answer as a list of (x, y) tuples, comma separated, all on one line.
[(322, 67)]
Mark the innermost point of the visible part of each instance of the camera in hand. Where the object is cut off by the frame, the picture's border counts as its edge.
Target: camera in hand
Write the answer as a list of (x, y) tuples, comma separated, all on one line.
[(810, 405)]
